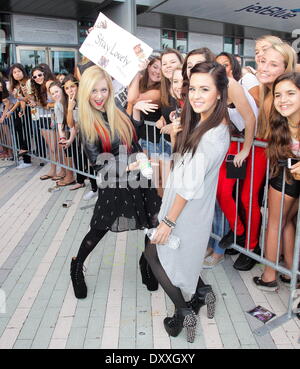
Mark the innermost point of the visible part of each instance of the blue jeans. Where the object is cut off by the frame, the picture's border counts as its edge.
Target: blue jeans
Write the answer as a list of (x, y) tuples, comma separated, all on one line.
[(162, 148), (217, 229)]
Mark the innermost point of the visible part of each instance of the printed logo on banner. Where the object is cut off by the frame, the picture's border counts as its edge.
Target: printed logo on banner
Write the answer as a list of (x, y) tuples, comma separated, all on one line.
[(271, 11)]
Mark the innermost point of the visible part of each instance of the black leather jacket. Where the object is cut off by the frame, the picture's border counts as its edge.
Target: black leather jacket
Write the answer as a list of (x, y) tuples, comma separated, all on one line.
[(111, 166)]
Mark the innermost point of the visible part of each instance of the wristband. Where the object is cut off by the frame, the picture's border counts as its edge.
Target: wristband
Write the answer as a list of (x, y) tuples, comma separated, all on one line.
[(169, 223)]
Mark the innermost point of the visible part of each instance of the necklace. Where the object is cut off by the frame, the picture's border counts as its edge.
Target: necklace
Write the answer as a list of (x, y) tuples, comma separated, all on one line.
[(294, 125)]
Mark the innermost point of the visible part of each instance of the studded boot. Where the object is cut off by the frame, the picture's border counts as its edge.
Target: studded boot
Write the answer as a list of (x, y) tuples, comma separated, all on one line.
[(183, 318), (204, 296)]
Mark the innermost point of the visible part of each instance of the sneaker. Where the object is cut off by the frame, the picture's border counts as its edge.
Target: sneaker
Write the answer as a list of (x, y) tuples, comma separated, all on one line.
[(89, 195), (211, 262), (265, 286), (24, 165)]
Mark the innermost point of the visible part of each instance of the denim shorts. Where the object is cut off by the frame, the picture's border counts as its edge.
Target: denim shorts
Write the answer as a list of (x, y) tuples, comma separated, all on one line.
[(162, 149)]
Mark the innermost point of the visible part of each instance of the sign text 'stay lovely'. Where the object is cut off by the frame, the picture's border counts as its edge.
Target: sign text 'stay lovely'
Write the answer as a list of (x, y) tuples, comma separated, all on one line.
[(111, 49)]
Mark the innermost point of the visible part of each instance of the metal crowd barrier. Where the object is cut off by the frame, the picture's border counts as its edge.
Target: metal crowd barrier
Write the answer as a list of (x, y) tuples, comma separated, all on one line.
[(32, 136), (36, 134), (294, 272)]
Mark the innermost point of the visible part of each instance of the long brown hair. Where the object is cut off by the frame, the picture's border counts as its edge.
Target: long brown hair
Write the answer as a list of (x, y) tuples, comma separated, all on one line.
[(14, 83), (209, 56), (189, 138), (165, 83), (64, 100), (143, 85), (279, 146)]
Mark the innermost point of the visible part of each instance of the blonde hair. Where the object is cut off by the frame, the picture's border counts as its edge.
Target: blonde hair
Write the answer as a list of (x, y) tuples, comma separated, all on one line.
[(91, 122), (289, 55), (271, 39)]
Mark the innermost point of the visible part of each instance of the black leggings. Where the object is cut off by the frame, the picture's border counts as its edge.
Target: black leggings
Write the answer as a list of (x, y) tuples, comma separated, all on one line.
[(90, 241), (173, 292)]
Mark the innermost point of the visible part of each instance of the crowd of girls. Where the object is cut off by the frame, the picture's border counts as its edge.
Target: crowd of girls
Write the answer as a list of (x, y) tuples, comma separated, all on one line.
[(192, 107)]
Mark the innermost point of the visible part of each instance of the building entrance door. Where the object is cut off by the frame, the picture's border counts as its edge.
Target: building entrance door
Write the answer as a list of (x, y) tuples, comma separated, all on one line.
[(60, 60)]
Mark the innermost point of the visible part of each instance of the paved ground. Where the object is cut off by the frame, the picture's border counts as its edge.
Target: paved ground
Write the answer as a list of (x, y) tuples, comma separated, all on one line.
[(38, 237)]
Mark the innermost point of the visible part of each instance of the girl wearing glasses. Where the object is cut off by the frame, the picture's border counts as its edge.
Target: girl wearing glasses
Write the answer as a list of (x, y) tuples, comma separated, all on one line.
[(41, 79), (18, 83)]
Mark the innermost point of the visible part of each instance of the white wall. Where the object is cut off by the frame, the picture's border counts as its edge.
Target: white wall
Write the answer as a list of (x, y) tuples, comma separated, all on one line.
[(151, 36), (198, 40), (249, 48)]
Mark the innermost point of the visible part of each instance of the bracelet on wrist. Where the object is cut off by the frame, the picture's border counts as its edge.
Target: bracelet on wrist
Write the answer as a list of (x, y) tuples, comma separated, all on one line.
[(168, 222)]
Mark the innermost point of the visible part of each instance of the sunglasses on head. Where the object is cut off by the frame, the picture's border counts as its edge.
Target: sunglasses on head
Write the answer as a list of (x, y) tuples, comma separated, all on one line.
[(38, 75)]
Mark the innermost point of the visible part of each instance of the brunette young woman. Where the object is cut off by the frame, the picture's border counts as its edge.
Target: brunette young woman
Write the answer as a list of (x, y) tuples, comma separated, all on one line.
[(5, 133), (57, 94), (237, 97), (283, 143), (73, 144), (41, 78), (176, 88), (18, 88), (190, 195), (170, 60), (109, 137), (144, 98)]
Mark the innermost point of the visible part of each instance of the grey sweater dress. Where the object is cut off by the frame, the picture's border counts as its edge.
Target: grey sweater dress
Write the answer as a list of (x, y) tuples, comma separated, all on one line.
[(195, 179)]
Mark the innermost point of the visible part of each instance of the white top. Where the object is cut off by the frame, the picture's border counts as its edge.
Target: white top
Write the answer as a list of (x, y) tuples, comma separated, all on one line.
[(235, 115), (59, 113), (195, 179), (295, 147), (249, 81)]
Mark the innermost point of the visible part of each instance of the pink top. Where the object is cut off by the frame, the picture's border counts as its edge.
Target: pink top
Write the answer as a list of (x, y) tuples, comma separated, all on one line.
[(295, 146)]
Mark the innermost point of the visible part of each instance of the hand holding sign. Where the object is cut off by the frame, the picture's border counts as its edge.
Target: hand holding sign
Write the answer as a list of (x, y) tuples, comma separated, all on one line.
[(115, 50)]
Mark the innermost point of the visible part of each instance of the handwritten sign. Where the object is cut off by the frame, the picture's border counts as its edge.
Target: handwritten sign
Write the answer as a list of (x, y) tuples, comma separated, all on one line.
[(115, 50)]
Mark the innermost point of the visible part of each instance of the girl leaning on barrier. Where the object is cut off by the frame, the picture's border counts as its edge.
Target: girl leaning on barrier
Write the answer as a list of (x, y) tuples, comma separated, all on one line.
[(283, 144), (5, 133), (226, 186), (18, 82), (57, 95), (144, 98), (189, 196), (170, 60), (274, 61), (110, 142), (41, 78), (75, 150)]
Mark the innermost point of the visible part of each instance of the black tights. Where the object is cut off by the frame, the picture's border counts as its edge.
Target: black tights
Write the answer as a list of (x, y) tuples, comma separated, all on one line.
[(173, 292), (89, 242)]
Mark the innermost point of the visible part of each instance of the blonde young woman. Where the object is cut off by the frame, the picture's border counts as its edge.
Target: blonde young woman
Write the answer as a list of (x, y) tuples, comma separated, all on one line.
[(110, 141)]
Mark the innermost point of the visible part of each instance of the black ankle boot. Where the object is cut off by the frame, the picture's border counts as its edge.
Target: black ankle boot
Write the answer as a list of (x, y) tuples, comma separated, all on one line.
[(77, 277), (184, 317), (148, 277), (204, 296)]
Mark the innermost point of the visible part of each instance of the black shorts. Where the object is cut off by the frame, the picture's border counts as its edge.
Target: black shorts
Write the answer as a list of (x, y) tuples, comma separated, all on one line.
[(292, 189)]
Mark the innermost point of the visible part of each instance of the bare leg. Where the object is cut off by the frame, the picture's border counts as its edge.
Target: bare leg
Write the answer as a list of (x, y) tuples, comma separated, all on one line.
[(273, 228)]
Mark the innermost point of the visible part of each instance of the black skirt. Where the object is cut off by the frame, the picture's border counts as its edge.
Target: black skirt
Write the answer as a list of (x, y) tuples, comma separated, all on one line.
[(123, 209)]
